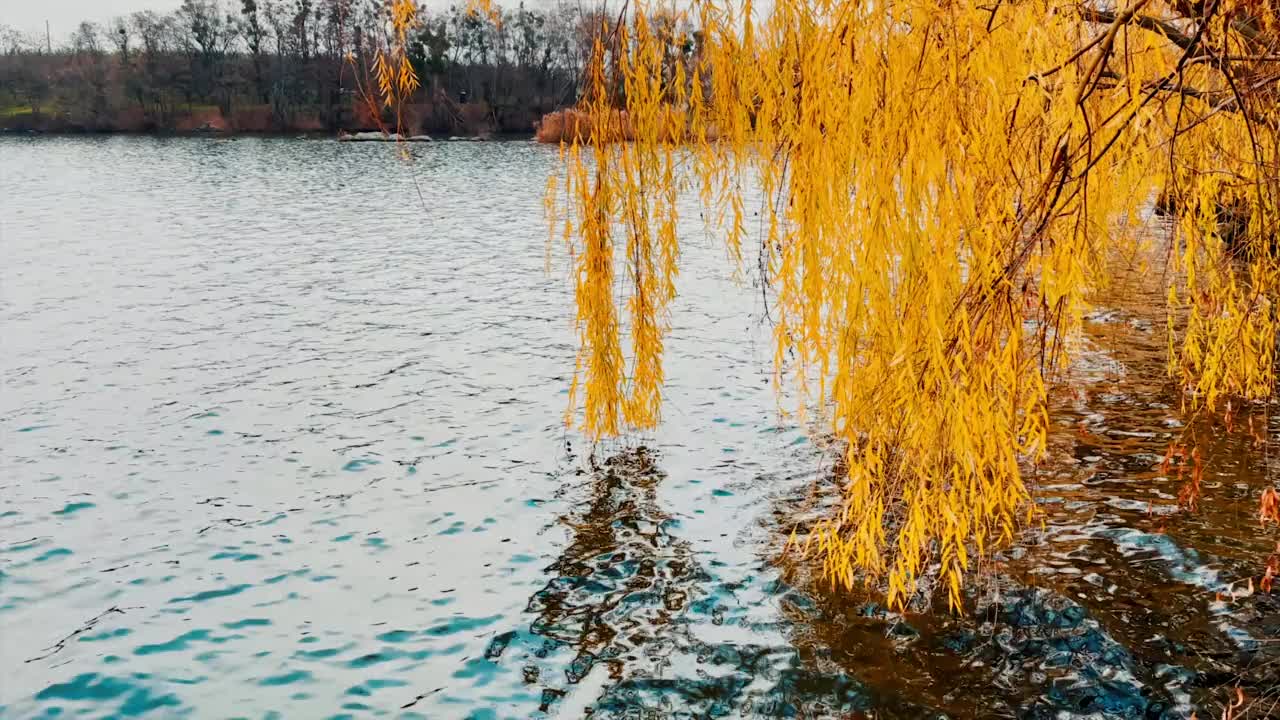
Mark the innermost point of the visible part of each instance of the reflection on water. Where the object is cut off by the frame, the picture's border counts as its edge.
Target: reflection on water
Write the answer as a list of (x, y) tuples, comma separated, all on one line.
[(620, 590), (1126, 603), (623, 600), (277, 443)]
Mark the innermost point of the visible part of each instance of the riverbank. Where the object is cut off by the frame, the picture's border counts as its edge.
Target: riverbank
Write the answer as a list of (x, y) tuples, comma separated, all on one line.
[(474, 119), (341, 135)]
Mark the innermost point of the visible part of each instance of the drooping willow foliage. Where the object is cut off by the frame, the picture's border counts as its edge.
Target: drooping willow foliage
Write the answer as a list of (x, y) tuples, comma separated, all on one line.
[(944, 184), (390, 80)]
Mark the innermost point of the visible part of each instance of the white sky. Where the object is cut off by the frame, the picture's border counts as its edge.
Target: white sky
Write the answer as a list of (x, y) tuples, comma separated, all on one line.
[(28, 16), (65, 15)]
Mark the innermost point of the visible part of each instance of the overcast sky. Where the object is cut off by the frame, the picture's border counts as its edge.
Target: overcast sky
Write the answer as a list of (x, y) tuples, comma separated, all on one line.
[(65, 15)]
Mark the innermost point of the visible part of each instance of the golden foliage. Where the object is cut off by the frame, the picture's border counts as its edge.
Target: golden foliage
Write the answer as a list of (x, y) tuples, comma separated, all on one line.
[(390, 79), (944, 182), (1271, 571), (1269, 507)]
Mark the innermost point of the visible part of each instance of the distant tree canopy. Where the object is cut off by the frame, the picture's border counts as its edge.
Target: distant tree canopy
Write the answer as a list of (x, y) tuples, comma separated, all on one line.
[(263, 65)]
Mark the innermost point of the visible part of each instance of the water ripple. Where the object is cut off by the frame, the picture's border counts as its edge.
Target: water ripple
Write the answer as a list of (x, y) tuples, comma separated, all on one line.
[(291, 439)]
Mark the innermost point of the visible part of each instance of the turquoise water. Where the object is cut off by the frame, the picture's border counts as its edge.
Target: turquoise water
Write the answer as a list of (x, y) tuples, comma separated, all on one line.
[(281, 431)]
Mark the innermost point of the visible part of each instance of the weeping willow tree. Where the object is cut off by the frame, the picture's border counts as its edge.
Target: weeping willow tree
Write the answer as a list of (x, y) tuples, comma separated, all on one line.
[(944, 184)]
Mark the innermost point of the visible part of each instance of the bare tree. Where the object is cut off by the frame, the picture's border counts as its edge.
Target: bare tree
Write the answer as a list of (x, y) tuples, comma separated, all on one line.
[(254, 34), (206, 36)]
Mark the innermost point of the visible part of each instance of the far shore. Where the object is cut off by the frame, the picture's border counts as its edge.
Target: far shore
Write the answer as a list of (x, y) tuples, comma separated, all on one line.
[(277, 134)]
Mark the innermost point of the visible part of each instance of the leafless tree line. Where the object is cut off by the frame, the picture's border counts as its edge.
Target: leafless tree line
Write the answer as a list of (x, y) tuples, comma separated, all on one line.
[(274, 65)]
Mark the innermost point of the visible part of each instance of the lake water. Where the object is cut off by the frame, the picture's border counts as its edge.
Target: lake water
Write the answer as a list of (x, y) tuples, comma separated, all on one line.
[(281, 433)]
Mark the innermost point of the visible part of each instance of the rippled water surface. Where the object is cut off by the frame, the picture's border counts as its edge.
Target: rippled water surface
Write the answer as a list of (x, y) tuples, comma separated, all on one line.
[(281, 437)]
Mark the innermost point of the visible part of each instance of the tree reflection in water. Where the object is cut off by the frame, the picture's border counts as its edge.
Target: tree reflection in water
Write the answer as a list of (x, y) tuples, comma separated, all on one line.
[(619, 592), (628, 601)]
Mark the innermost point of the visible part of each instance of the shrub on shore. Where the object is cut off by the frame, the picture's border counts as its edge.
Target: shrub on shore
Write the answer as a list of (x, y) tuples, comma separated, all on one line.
[(571, 125)]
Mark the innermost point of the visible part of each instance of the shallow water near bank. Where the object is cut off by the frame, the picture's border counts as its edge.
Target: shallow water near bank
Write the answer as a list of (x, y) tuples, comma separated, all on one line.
[(282, 436)]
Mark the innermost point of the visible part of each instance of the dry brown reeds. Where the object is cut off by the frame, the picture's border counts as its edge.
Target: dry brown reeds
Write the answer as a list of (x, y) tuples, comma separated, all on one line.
[(572, 125)]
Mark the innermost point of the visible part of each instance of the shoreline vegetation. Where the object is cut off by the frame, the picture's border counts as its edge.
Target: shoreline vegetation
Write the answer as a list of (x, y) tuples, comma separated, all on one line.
[(340, 136), (567, 125), (289, 67)]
